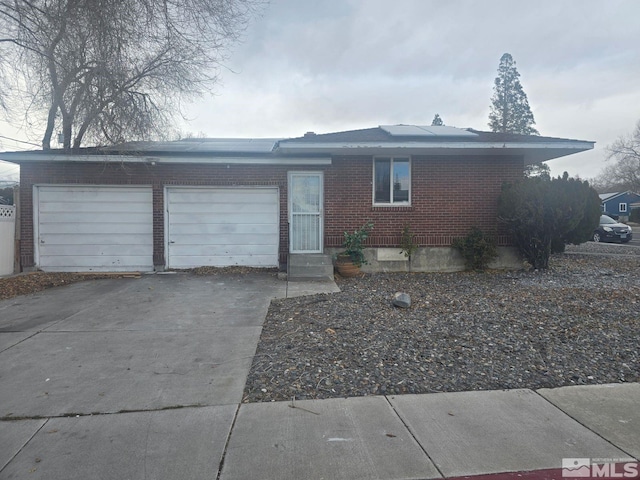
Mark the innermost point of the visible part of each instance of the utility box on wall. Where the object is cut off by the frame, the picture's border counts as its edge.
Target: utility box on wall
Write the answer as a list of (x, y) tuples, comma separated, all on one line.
[(7, 238)]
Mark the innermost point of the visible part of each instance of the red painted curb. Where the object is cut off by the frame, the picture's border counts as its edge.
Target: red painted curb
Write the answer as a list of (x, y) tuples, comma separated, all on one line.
[(617, 472)]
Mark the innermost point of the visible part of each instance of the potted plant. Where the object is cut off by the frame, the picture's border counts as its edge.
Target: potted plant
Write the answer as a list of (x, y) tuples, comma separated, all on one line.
[(351, 259)]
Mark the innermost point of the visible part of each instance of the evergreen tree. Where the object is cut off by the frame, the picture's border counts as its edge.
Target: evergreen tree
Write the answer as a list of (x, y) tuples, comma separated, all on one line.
[(537, 170), (510, 112), (437, 121), (544, 214)]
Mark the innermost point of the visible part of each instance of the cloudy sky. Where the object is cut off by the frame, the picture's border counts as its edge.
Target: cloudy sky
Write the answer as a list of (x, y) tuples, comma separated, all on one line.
[(331, 65)]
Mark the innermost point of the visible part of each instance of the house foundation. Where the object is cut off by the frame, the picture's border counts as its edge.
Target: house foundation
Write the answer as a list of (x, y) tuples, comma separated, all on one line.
[(430, 259)]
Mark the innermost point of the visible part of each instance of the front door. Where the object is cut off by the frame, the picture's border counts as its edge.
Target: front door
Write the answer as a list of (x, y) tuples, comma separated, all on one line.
[(305, 212)]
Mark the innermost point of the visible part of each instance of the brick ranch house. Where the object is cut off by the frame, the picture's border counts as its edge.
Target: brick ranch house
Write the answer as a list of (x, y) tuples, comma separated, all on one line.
[(218, 202)]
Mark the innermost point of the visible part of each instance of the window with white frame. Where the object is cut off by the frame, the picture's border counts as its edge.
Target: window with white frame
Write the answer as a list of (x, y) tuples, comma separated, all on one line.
[(622, 207), (391, 181)]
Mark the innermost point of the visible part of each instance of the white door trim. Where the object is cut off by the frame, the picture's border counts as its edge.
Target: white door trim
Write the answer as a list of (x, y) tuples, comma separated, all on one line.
[(320, 213)]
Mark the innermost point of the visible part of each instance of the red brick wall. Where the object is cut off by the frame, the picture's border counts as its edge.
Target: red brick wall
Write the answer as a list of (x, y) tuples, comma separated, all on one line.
[(448, 195)]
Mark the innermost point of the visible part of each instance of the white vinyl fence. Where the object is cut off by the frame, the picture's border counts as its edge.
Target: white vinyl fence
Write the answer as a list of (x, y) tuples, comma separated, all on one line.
[(7, 238)]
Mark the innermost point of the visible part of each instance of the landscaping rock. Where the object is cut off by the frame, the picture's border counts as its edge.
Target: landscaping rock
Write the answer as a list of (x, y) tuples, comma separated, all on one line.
[(401, 300), (464, 331)]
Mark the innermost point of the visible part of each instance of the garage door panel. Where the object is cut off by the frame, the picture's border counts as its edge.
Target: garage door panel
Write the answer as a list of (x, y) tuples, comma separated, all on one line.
[(182, 230), (189, 209), (91, 239), (206, 239), (216, 250), (80, 229), (222, 226), (220, 195), (94, 207), (225, 261), (132, 250), (102, 195), (105, 218), (99, 263), (221, 218), (94, 228)]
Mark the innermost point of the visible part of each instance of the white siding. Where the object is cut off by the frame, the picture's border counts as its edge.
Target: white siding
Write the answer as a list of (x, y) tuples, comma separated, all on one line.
[(222, 227), (94, 228)]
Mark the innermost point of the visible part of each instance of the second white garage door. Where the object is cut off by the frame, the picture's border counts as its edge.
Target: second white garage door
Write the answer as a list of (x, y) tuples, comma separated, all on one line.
[(222, 227)]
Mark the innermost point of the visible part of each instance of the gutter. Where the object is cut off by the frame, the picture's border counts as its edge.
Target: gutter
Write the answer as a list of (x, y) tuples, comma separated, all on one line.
[(39, 156)]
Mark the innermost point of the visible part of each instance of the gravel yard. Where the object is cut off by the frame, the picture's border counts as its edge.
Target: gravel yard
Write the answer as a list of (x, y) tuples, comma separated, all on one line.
[(578, 323)]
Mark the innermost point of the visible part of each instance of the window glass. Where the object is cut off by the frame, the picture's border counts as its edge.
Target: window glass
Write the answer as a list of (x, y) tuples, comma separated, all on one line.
[(401, 181), (392, 180), (382, 180), (305, 194)]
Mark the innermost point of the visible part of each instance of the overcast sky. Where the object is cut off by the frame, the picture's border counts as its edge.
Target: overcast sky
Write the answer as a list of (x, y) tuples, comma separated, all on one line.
[(332, 65)]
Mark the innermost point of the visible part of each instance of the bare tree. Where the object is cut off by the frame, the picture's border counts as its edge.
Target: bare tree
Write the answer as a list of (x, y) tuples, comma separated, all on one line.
[(106, 71), (625, 154)]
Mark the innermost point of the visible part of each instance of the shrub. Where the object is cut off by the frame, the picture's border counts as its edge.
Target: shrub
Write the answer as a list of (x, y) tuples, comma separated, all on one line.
[(408, 244), (543, 215), (353, 243), (477, 249)]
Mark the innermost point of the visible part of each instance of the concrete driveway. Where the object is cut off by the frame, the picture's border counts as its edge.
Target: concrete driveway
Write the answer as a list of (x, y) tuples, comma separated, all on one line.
[(95, 375)]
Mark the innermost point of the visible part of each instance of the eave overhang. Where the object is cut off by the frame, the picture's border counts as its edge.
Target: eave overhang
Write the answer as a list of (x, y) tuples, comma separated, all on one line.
[(160, 158), (533, 152)]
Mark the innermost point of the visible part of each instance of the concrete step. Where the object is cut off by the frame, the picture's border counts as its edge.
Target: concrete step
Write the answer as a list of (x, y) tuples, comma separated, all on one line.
[(315, 266), (310, 259)]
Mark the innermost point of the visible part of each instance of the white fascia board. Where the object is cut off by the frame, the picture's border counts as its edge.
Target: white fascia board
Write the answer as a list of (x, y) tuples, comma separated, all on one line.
[(242, 160), (326, 147), (40, 157), (18, 157)]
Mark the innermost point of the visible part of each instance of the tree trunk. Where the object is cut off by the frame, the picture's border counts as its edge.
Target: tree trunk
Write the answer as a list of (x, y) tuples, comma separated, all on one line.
[(51, 122), (66, 131)]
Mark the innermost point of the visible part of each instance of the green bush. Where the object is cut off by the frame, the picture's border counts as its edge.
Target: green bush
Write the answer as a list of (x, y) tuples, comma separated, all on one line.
[(353, 243), (543, 215), (477, 249)]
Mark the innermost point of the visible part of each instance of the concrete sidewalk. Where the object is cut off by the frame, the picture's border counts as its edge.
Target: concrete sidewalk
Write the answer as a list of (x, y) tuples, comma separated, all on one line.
[(435, 435), (444, 435)]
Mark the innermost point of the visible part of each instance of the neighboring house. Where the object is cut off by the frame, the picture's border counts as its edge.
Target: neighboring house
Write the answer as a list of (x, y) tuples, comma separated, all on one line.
[(157, 205), (618, 204)]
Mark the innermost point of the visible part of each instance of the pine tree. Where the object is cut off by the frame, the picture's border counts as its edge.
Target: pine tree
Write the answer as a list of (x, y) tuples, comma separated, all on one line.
[(437, 121), (510, 112)]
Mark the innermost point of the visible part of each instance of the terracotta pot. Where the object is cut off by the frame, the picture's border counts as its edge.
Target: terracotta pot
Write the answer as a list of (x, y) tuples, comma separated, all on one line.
[(346, 267)]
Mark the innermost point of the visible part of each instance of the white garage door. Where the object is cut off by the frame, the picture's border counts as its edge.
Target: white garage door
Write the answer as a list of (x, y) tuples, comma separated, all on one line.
[(222, 227), (93, 228)]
